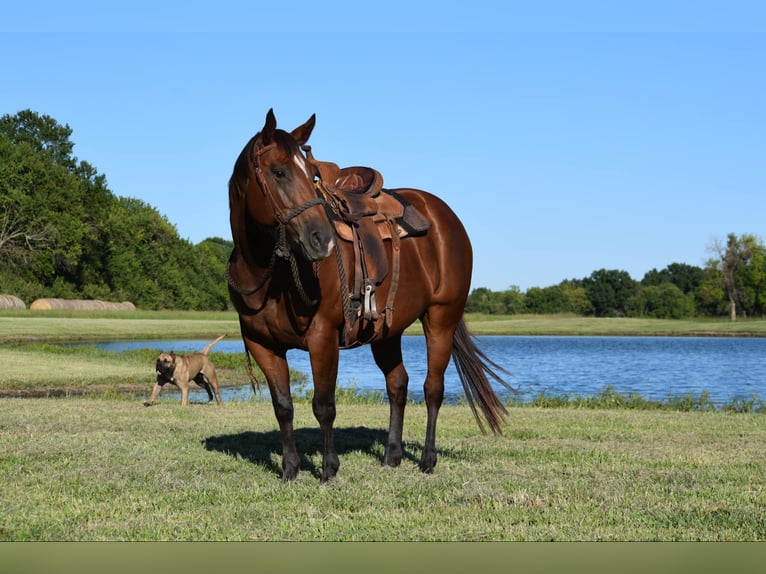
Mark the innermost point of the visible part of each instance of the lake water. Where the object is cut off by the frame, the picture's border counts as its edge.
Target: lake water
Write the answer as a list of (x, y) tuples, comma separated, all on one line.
[(654, 367)]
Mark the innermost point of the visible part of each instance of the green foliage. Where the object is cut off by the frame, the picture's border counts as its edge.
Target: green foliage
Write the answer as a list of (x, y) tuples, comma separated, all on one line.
[(63, 233), (663, 301), (608, 291), (687, 278), (509, 302), (676, 292), (740, 264), (609, 398), (566, 297)]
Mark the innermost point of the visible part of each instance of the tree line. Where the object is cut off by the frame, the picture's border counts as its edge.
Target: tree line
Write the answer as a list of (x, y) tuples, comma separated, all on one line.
[(64, 233), (732, 282)]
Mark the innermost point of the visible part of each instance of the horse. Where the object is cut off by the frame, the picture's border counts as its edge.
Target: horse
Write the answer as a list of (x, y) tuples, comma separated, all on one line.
[(288, 290)]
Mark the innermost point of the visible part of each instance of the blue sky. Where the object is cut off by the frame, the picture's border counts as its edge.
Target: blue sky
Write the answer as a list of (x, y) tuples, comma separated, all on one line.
[(567, 136)]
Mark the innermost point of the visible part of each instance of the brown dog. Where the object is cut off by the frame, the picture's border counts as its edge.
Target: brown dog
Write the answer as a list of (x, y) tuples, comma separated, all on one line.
[(180, 369)]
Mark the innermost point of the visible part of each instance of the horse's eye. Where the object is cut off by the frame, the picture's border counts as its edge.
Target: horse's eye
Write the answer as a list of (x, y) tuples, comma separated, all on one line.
[(279, 173)]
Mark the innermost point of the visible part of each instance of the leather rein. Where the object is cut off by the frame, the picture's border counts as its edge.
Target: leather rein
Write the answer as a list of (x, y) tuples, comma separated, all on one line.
[(281, 247)]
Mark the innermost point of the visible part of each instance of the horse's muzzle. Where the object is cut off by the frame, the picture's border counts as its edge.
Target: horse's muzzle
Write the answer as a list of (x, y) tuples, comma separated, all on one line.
[(319, 244)]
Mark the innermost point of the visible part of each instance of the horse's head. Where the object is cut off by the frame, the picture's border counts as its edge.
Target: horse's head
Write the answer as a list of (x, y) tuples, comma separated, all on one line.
[(273, 186)]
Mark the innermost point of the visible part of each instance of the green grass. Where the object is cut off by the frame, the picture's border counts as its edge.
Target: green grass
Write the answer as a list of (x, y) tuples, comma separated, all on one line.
[(48, 369), (609, 398), (96, 469), (103, 467), (612, 326), (86, 326), (69, 326)]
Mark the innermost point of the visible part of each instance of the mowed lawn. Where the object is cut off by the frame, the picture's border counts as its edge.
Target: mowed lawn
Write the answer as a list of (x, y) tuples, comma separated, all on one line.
[(111, 469), (104, 467)]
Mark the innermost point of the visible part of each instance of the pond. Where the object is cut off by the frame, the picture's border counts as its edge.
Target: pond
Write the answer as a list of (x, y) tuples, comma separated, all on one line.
[(657, 368)]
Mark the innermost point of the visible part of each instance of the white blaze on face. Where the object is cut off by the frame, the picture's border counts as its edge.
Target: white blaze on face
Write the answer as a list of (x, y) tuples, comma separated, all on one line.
[(300, 162)]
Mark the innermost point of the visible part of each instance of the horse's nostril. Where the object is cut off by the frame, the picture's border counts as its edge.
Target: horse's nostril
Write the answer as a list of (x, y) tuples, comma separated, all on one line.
[(320, 241)]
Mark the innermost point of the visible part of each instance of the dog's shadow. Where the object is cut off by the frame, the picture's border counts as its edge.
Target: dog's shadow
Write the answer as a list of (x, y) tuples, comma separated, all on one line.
[(264, 448)]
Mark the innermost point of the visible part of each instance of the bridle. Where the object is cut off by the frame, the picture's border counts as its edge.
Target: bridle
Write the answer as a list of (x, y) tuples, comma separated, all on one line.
[(282, 218), (281, 247)]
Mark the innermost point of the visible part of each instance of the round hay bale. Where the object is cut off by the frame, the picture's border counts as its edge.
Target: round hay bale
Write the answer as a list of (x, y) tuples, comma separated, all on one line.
[(41, 305), (11, 302), (80, 305)]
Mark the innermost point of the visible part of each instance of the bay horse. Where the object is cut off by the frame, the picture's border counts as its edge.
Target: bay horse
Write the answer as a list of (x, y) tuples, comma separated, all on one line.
[(288, 292)]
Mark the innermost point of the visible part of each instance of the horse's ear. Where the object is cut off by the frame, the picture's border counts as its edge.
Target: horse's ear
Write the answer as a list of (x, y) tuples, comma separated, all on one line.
[(267, 133), (303, 133)]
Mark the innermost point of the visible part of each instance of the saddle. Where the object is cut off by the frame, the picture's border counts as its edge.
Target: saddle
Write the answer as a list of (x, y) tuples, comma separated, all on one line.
[(365, 214)]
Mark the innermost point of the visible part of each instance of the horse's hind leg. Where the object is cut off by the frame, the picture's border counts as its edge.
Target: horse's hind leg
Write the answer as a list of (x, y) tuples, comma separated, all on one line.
[(388, 357), (438, 329)]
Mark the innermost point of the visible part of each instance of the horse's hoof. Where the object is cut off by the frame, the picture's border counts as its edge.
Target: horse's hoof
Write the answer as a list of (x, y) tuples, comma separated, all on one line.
[(329, 472), (427, 464), (392, 461)]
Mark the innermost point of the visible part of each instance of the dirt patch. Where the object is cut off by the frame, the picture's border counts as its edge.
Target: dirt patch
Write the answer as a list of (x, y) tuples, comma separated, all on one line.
[(94, 391)]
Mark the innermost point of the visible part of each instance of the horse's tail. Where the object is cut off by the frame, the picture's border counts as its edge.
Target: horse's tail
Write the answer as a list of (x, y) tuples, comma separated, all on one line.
[(210, 346), (473, 368)]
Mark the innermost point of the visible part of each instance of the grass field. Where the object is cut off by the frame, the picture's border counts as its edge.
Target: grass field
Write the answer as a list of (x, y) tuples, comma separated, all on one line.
[(55, 326), (103, 467), (96, 469)]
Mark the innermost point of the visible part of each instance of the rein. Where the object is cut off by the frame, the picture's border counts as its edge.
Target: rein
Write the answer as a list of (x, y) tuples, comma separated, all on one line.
[(281, 247)]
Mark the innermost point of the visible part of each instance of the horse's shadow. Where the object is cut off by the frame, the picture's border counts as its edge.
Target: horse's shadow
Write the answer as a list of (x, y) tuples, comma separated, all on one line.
[(261, 447)]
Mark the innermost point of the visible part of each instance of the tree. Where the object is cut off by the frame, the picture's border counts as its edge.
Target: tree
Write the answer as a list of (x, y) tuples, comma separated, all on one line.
[(741, 263), (545, 300), (213, 254), (608, 291), (664, 301), (63, 233), (40, 190), (484, 300), (686, 277), (42, 134), (17, 238), (566, 297), (513, 300), (577, 297)]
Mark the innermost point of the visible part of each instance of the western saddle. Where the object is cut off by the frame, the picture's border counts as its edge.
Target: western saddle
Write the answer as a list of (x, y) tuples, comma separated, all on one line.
[(365, 214)]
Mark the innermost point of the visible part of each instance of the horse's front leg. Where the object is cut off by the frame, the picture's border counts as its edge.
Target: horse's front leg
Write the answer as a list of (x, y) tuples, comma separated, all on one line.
[(324, 368), (274, 367), (388, 357)]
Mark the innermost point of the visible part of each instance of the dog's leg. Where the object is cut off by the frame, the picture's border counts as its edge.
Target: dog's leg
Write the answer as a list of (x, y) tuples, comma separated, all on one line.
[(184, 393), (155, 391), (203, 382), (214, 383)]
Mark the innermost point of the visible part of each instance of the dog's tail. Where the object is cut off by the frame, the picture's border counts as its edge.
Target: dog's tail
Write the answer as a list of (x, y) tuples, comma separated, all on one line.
[(210, 346)]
